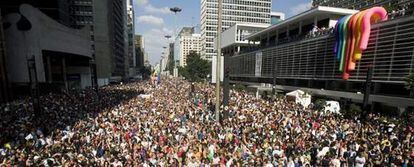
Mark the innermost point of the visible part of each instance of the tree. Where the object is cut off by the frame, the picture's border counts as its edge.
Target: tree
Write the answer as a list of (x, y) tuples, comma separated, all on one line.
[(409, 84), (146, 72), (319, 104), (170, 65), (196, 69)]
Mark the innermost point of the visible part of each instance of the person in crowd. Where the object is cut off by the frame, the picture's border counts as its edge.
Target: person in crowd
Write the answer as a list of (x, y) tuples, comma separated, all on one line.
[(170, 126)]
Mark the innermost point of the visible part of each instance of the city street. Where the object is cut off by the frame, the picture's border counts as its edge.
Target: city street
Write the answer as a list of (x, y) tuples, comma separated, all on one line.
[(200, 83), (170, 126)]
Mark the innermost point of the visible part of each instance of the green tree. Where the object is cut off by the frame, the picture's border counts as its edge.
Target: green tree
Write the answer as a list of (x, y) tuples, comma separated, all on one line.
[(353, 111), (170, 65), (409, 84), (197, 68), (320, 104)]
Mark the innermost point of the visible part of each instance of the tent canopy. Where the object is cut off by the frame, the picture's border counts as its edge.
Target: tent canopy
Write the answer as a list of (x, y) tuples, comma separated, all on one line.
[(300, 97)]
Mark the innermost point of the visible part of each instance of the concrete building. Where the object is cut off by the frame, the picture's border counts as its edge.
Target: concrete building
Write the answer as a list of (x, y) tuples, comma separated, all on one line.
[(110, 40), (290, 59), (187, 40), (276, 17), (361, 4), (139, 52), (240, 11), (131, 64), (146, 60), (80, 13), (234, 41), (4, 81), (39, 48), (170, 66)]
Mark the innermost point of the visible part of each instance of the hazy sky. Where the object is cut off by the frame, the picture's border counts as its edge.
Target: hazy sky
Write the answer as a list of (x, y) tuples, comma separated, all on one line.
[(154, 20)]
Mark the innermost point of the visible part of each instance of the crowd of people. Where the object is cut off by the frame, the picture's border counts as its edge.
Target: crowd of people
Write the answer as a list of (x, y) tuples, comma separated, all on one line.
[(172, 123)]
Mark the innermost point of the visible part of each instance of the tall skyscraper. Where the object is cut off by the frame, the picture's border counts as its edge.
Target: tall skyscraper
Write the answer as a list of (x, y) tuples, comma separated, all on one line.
[(111, 47), (131, 32), (4, 83), (186, 42), (359, 4), (80, 12), (240, 11), (139, 51)]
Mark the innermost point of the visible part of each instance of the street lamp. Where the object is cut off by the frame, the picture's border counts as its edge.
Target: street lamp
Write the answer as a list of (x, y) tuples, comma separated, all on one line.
[(175, 10), (218, 72)]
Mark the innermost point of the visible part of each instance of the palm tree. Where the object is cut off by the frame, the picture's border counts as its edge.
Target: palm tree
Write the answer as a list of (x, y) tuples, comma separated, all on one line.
[(409, 84)]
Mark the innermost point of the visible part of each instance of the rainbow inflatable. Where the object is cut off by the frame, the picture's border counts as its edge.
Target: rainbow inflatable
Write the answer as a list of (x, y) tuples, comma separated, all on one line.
[(352, 34)]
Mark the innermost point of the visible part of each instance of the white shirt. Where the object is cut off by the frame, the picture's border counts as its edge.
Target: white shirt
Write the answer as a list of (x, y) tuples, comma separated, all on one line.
[(359, 161)]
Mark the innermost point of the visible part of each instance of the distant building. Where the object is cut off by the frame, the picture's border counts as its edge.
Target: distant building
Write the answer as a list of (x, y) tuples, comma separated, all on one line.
[(276, 17), (240, 11), (139, 51), (170, 65), (186, 42)]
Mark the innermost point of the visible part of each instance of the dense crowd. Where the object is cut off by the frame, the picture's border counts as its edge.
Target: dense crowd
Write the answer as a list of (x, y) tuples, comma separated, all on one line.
[(171, 125)]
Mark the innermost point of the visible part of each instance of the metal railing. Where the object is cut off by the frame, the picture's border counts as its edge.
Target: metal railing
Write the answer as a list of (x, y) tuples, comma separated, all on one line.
[(390, 52)]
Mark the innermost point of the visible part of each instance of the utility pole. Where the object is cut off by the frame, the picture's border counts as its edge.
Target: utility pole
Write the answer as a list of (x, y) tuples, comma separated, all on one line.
[(34, 87), (218, 72), (367, 91)]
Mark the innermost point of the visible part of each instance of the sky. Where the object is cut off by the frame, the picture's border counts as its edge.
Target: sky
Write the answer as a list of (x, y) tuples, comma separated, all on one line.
[(154, 20)]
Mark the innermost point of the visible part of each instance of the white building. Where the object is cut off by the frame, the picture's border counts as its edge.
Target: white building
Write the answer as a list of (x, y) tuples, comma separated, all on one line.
[(233, 41), (240, 11), (186, 42)]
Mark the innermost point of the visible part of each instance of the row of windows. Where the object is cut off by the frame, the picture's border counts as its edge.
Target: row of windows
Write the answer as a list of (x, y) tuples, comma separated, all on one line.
[(228, 14), (80, 8), (244, 2), (229, 21), (239, 8)]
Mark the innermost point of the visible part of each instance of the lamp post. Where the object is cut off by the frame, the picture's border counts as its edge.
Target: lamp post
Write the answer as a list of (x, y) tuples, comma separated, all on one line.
[(34, 87), (218, 72), (175, 10)]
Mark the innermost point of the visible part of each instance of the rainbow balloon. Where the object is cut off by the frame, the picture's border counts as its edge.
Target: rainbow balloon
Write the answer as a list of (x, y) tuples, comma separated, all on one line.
[(352, 34)]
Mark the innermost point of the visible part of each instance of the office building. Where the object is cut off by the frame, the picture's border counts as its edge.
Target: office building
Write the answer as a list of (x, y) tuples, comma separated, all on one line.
[(111, 47), (4, 83), (170, 66), (131, 33), (186, 42), (45, 52), (80, 13), (362, 4), (240, 11), (276, 17), (290, 59), (139, 52)]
